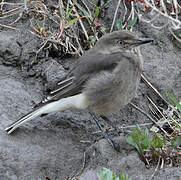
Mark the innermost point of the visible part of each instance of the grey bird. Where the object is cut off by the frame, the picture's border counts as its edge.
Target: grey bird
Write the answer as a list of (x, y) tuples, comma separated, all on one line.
[(104, 81)]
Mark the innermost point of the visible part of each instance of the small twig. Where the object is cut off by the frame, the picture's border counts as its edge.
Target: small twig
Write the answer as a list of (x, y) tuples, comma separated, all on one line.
[(25, 4), (83, 165), (157, 109), (132, 13), (162, 163), (153, 88), (143, 112), (80, 48), (174, 121), (164, 7), (175, 4), (13, 14), (2, 5), (173, 34), (153, 111), (124, 127), (90, 18), (156, 169), (12, 4), (41, 49), (155, 122), (77, 52), (9, 27), (160, 27), (115, 14), (163, 14), (61, 9), (129, 17), (35, 34), (147, 21), (80, 21), (126, 10), (51, 17), (16, 20), (163, 116), (10, 11), (61, 29)]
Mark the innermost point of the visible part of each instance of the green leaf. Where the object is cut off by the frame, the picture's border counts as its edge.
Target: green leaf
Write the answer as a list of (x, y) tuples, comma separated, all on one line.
[(93, 2), (164, 140), (70, 23), (123, 177), (176, 141), (173, 99), (108, 1), (68, 13), (104, 29), (97, 12), (137, 134), (177, 125), (156, 142), (67, 10), (86, 14), (39, 27), (90, 41), (106, 174), (130, 140), (135, 139), (146, 140), (132, 22), (119, 25), (138, 139)]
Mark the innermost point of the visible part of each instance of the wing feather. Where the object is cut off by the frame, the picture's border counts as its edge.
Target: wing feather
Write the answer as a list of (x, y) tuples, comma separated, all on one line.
[(88, 67)]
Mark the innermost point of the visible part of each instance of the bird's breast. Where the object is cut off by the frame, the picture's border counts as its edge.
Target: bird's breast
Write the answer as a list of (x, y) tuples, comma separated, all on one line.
[(108, 92)]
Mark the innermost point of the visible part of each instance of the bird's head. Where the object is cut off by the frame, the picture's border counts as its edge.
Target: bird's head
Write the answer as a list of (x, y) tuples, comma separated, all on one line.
[(120, 41)]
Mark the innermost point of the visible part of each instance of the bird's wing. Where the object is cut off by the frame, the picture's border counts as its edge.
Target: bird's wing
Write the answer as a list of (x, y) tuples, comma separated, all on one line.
[(88, 66)]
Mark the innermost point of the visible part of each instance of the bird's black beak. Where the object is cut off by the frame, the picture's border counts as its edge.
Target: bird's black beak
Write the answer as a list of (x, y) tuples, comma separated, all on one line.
[(141, 41)]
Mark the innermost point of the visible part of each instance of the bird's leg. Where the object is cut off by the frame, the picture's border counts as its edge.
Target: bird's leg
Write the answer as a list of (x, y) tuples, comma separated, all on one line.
[(106, 136), (111, 124)]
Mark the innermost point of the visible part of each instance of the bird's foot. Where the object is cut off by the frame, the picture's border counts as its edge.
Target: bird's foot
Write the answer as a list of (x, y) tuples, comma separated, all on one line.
[(105, 135), (117, 130)]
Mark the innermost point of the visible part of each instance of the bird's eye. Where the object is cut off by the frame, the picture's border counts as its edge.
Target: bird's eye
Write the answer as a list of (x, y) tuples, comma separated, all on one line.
[(120, 42)]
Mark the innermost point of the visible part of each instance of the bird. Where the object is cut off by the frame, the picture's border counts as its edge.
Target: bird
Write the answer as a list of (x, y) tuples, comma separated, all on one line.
[(104, 80)]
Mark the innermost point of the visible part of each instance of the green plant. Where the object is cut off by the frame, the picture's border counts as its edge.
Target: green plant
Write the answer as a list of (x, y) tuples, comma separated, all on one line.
[(174, 101), (107, 174), (149, 147), (119, 25), (131, 23), (139, 140), (143, 141)]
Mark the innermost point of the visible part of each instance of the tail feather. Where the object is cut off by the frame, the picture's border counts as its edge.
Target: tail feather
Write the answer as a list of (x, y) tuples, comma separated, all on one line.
[(73, 102), (34, 113)]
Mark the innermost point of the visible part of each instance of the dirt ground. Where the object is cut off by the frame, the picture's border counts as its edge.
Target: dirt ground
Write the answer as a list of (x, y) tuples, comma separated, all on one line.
[(64, 144)]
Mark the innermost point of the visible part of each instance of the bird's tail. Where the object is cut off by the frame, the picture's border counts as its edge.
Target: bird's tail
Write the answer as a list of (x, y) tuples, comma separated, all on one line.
[(34, 113), (73, 102)]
